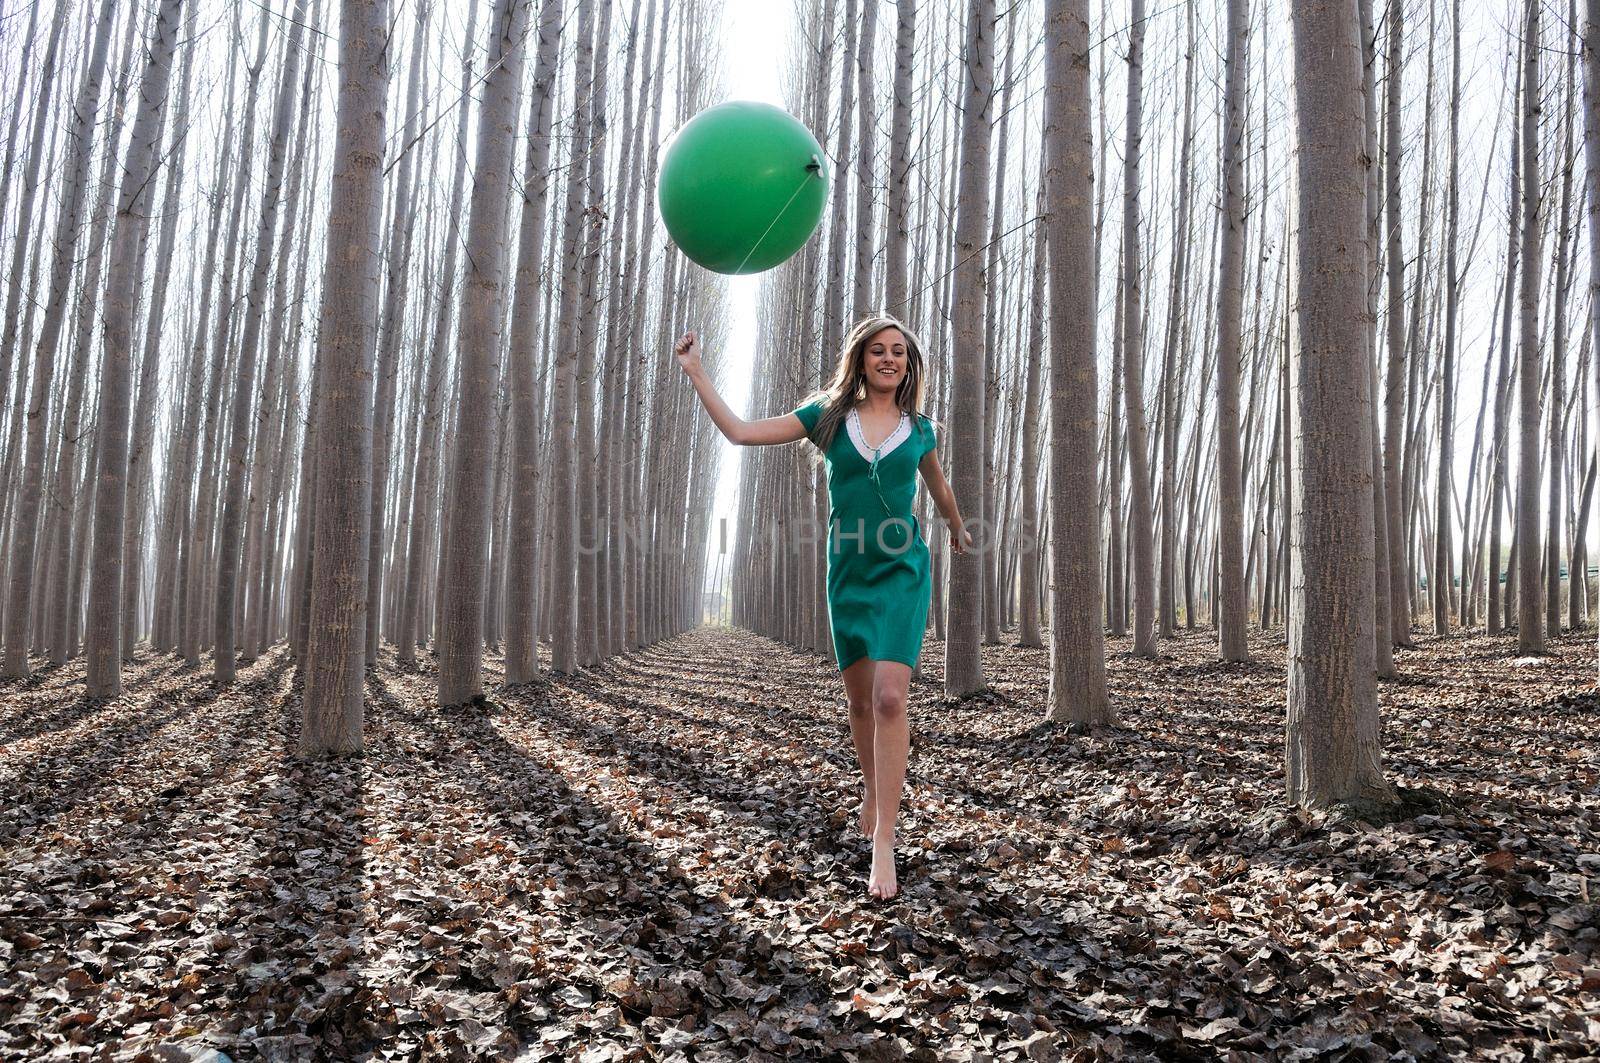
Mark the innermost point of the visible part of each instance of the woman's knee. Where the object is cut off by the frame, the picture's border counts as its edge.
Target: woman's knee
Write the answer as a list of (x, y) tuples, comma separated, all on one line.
[(888, 706)]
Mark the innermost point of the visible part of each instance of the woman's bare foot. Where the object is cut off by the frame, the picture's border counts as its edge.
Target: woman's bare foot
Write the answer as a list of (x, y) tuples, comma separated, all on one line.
[(882, 884), (869, 813)]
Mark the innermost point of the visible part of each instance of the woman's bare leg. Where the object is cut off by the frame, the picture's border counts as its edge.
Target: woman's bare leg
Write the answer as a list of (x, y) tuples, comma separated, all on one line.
[(858, 679), (891, 742)]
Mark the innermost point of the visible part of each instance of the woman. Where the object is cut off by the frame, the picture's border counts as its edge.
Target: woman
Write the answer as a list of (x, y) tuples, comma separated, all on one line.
[(868, 425)]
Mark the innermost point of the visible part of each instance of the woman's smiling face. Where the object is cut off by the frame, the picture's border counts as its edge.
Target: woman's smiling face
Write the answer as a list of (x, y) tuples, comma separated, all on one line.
[(885, 359)]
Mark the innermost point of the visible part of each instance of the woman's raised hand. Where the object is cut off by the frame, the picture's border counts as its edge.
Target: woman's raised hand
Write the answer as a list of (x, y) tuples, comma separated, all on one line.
[(687, 350)]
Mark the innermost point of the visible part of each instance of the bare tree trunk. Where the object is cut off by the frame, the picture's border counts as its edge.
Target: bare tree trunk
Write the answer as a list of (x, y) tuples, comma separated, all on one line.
[(1332, 743), (833, 306), (963, 660), (231, 534), (461, 638), (145, 396), (1140, 505), (1031, 533), (499, 511), (264, 552), (1471, 542), (1172, 353), (1395, 382), (522, 649), (55, 635), (199, 543), (1422, 309), (13, 335), (621, 367), (590, 532), (1286, 421), (991, 516), (898, 197), (15, 123), (1233, 611), (104, 642), (1077, 648), (633, 488), (1447, 388), (1116, 553), (1499, 607), (424, 512), (1530, 621), (1382, 635), (75, 168), (1199, 476), (563, 405), (1556, 507), (336, 627), (170, 587), (865, 237), (397, 291), (1591, 130)]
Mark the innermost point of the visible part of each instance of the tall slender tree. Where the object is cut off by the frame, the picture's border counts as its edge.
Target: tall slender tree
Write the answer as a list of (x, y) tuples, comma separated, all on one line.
[(1141, 508), (335, 656), (1441, 578), (866, 239), (1031, 534), (74, 175), (143, 426), (899, 177), (1394, 399), (397, 295), (1172, 351), (461, 637), (1382, 634), (231, 532), (563, 400), (963, 661), (104, 642), (426, 521), (1556, 430), (1498, 607), (11, 332), (522, 651), (1530, 614), (1591, 139), (1332, 746), (1233, 605), (1077, 653)]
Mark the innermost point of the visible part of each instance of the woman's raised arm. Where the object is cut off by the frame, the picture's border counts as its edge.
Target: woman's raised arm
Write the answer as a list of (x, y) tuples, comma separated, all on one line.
[(784, 428)]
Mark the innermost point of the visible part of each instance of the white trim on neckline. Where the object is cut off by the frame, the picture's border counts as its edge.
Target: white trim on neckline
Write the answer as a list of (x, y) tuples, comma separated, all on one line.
[(901, 433)]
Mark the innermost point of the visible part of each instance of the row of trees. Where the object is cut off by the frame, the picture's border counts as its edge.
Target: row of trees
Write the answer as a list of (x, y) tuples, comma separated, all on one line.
[(1201, 470), (474, 441), (347, 362)]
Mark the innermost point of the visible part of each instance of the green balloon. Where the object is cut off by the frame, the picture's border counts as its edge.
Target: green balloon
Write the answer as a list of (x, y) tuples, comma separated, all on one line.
[(741, 186)]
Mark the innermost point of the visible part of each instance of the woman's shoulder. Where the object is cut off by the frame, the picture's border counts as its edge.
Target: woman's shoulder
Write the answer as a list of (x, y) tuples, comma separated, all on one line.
[(810, 409)]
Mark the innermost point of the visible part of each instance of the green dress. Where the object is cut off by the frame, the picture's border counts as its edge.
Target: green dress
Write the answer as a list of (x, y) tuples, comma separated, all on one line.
[(879, 574)]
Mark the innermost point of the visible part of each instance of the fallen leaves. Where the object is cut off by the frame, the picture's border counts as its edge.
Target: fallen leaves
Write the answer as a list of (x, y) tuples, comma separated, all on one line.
[(658, 857)]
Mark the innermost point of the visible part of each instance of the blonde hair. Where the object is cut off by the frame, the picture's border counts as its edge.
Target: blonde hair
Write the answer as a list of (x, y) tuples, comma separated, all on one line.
[(849, 384)]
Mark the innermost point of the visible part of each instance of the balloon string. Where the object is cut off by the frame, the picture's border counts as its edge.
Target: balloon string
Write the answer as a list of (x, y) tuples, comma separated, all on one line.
[(775, 219)]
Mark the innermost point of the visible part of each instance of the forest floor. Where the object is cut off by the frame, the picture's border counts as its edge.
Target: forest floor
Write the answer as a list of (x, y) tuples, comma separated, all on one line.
[(658, 859)]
